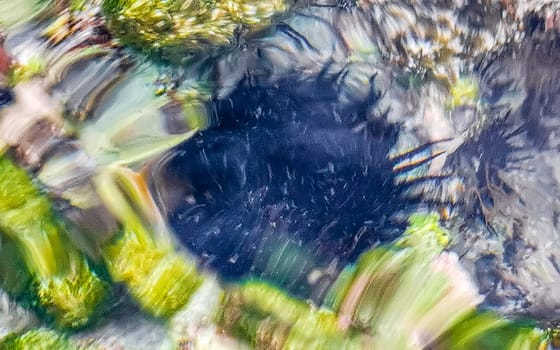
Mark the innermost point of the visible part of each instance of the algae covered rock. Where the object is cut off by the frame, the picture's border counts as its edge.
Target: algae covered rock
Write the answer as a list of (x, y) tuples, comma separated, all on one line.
[(185, 26)]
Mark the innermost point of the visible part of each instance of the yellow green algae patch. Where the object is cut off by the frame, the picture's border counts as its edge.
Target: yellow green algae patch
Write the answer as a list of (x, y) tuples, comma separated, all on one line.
[(23, 72), (37, 339), (414, 294), (64, 284), (185, 25), (160, 280), (263, 315), (463, 92), (487, 331), (142, 256), (411, 294), (424, 229)]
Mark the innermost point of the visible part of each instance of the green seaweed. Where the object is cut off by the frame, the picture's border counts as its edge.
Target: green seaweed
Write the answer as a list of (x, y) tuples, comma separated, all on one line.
[(64, 284), (37, 339), (184, 26), (142, 256)]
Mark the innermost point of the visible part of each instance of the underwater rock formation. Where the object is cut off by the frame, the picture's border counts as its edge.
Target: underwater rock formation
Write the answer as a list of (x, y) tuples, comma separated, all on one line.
[(331, 125), (303, 154), (507, 234), (298, 164)]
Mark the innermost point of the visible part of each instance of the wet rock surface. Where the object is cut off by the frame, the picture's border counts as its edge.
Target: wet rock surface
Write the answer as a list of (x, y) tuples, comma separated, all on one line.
[(508, 235), (329, 129), (285, 163)]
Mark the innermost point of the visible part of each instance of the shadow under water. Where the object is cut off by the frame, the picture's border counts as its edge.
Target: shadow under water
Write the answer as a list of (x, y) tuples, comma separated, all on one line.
[(289, 178)]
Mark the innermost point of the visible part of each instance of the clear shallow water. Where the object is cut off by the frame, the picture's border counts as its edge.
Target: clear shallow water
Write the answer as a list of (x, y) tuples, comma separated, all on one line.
[(322, 133), (295, 170)]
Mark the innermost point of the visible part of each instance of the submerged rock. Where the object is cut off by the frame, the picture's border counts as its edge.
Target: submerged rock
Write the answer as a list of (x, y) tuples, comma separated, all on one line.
[(336, 120), (312, 154), (303, 169), (507, 227)]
